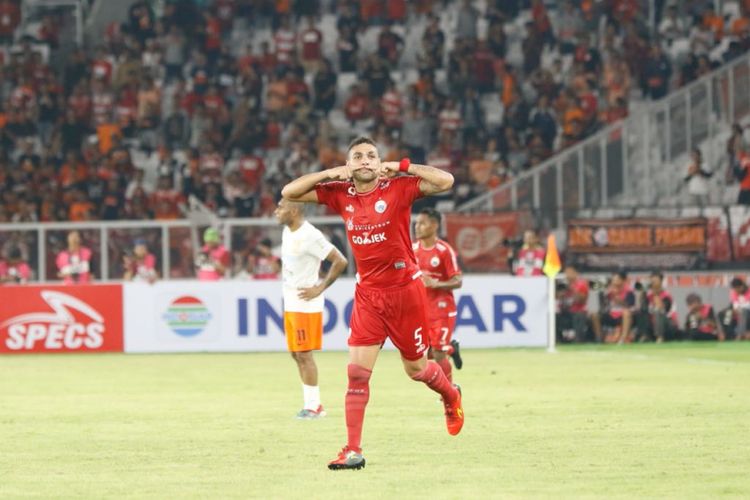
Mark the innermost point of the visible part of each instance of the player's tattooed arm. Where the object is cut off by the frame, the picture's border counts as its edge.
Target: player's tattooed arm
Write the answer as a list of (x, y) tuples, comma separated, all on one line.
[(433, 180), (303, 188)]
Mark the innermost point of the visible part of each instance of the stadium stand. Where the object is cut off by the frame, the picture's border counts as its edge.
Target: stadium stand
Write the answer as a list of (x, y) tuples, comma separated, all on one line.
[(226, 100)]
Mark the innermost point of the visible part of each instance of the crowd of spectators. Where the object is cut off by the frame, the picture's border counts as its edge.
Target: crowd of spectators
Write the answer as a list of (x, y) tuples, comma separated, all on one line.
[(226, 100)]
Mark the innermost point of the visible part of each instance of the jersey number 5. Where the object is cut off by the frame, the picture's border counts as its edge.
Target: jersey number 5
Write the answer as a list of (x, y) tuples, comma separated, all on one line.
[(418, 340)]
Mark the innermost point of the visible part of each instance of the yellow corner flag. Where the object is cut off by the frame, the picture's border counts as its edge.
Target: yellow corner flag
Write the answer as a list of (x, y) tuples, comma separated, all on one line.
[(552, 264)]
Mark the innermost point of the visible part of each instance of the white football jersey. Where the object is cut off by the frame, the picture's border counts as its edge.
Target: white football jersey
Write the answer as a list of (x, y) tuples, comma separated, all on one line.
[(301, 253)]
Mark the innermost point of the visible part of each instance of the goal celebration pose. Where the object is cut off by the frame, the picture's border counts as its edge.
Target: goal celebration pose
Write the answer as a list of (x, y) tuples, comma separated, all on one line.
[(389, 300)]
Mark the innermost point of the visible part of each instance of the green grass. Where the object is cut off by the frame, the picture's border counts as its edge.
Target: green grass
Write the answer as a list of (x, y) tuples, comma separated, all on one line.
[(632, 421)]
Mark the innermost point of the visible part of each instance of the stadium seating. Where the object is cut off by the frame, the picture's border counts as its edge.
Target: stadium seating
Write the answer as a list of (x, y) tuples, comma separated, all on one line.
[(159, 85)]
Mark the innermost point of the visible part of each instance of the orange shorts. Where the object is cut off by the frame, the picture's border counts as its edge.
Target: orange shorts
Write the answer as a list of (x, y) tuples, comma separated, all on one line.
[(304, 331)]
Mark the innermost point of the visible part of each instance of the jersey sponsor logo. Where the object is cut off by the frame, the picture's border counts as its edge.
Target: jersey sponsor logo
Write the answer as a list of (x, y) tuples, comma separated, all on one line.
[(435, 261), (368, 239), (380, 206), (351, 226), (61, 329)]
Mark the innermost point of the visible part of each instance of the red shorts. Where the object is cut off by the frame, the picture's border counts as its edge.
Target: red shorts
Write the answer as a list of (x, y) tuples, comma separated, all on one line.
[(395, 313), (441, 332)]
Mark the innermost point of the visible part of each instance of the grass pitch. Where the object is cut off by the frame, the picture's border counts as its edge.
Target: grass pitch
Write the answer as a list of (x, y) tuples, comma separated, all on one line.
[(630, 421)]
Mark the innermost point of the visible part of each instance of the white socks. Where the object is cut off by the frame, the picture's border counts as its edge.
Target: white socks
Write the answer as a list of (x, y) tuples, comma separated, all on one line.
[(311, 393)]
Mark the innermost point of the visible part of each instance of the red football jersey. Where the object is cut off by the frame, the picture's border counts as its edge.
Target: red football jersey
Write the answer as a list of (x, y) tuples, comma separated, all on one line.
[(377, 227), (438, 262)]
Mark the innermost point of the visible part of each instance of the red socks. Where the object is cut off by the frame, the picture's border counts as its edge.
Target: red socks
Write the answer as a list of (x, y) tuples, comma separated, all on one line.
[(357, 396), (433, 376), (445, 364)]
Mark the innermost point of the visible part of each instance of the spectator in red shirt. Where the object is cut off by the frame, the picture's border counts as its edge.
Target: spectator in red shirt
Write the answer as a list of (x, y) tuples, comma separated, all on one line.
[(701, 322), (572, 315), (166, 203), (140, 265), (284, 42), (392, 107), (357, 106), (74, 263), (10, 18), (530, 257), (311, 41), (390, 46), (14, 270)]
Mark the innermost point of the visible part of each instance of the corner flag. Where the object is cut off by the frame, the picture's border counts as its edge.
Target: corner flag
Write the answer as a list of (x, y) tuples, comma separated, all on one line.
[(552, 264)]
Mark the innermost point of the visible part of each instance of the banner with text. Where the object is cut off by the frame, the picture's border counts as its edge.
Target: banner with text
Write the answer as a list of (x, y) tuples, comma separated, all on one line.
[(191, 316), (478, 238), (55, 318), (637, 243)]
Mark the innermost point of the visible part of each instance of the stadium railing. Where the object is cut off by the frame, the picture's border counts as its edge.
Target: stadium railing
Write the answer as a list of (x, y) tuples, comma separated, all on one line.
[(169, 241), (632, 162)]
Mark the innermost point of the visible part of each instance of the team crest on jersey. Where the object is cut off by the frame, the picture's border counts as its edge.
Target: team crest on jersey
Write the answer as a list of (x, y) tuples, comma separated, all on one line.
[(349, 208), (435, 261), (380, 206)]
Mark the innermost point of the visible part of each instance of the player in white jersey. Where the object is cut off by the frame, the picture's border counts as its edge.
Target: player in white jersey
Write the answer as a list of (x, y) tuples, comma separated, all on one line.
[(303, 248)]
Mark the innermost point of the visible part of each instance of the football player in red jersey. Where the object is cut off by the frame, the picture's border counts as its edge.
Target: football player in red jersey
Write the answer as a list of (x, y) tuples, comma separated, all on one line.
[(374, 198), (441, 275)]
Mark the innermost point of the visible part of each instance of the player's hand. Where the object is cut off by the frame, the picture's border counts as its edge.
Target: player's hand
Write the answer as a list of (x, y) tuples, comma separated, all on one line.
[(389, 168), (343, 173), (310, 293), (429, 282)]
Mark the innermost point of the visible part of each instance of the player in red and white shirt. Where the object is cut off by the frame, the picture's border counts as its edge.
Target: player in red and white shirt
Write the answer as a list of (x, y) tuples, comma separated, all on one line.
[(389, 299), (441, 275)]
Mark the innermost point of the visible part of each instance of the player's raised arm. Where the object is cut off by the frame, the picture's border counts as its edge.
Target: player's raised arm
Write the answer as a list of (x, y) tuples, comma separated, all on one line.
[(433, 180), (303, 188)]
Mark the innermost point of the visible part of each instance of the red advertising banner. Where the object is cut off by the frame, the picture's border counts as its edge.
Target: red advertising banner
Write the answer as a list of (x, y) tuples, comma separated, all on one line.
[(59, 318), (478, 239)]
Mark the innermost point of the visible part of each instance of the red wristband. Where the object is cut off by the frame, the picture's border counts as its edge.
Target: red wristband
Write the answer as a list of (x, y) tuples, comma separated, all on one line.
[(403, 165)]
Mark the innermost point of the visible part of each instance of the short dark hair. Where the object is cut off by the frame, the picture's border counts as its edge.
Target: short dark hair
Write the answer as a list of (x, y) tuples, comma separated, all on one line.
[(622, 274), (692, 298), (361, 140), (266, 242), (657, 273), (432, 214), (737, 281)]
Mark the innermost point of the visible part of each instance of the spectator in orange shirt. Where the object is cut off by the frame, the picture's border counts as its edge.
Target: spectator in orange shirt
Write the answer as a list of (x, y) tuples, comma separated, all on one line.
[(72, 171), (81, 209), (714, 22)]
